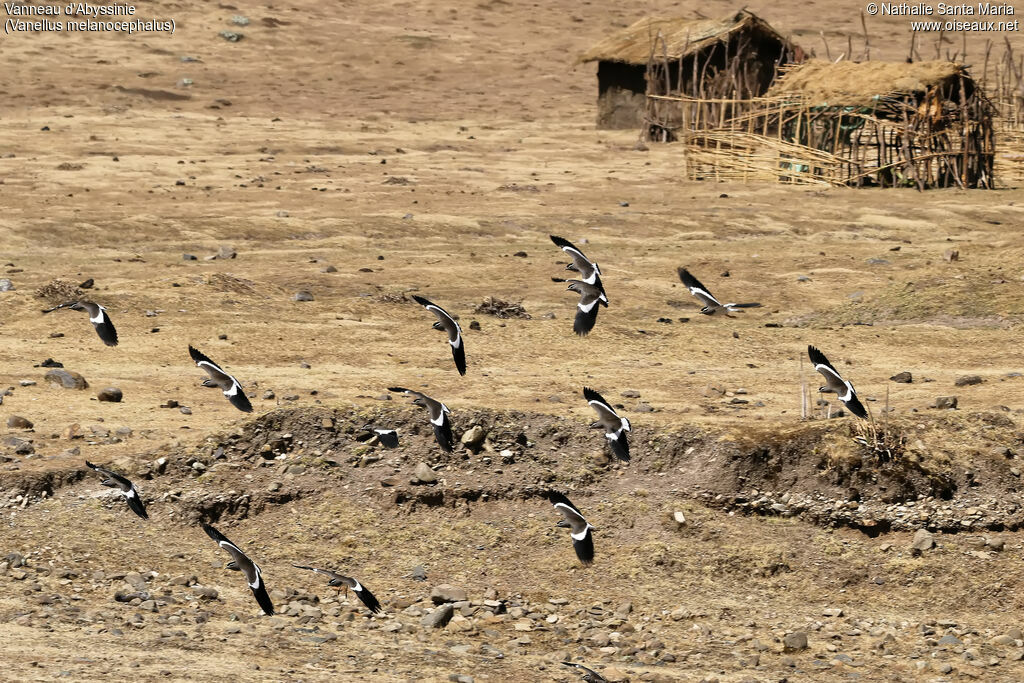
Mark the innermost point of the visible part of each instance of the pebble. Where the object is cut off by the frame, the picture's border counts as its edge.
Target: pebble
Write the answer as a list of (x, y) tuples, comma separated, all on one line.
[(792, 642), (303, 295), (902, 378), (923, 540), (19, 422), (423, 475), (6, 285), (447, 593), (110, 395), (439, 617), (65, 379), (968, 380), (945, 402), (474, 437)]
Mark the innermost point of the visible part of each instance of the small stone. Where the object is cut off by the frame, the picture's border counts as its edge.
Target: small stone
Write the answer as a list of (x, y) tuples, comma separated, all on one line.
[(832, 612), (418, 573), (6, 285), (949, 640), (184, 410), (303, 295), (110, 395), (968, 380), (679, 517), (424, 474), (1002, 640), (66, 380), (226, 252), (902, 377), (18, 422), (794, 641), (447, 593), (189, 257), (474, 437), (438, 618), (945, 402), (268, 395), (923, 540), (328, 269)]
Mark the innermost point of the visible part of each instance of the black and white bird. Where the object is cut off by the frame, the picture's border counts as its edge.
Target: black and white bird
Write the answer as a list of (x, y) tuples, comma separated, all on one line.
[(835, 384), (711, 304), (590, 272), (579, 528), (447, 323), (340, 581), (128, 490), (588, 674), (241, 562), (615, 427), (592, 297), (97, 316), (388, 438), (438, 416), (228, 384)]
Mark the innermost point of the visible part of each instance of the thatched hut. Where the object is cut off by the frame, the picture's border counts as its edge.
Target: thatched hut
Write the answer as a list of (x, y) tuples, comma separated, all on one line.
[(923, 124), (733, 57)]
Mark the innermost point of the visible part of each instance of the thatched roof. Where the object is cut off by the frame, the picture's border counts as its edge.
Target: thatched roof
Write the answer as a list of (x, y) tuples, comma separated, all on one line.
[(853, 84), (682, 37)]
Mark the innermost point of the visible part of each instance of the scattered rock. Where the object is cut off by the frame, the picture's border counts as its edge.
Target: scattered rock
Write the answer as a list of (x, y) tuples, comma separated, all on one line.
[(424, 475), (65, 379), (19, 422), (474, 437), (225, 252), (447, 593), (51, 363), (679, 518), (189, 257), (945, 402), (303, 295), (795, 641), (418, 573), (110, 395), (968, 380), (902, 377), (6, 285), (439, 618), (923, 540)]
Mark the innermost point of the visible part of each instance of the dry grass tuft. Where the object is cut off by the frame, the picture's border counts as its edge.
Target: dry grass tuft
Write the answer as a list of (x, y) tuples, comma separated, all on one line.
[(500, 308), (59, 291)]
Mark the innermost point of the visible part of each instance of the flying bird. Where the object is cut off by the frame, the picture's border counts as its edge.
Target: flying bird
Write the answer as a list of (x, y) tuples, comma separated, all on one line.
[(615, 427), (590, 272), (228, 384), (711, 304), (339, 581), (128, 490), (241, 562), (447, 323), (388, 438), (592, 297), (579, 527), (97, 316), (588, 674), (438, 416), (835, 384)]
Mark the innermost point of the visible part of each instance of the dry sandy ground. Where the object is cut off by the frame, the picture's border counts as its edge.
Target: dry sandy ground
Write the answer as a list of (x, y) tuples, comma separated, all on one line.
[(420, 148)]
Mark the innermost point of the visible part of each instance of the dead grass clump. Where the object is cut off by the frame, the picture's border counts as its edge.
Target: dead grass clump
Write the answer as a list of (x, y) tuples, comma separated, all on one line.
[(500, 308), (59, 291), (884, 443), (225, 282), (393, 298)]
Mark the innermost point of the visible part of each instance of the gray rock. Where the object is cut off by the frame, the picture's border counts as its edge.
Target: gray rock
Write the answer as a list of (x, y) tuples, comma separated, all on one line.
[(19, 422), (135, 580), (189, 257), (902, 377), (474, 437), (447, 593), (20, 446), (6, 285), (923, 540), (65, 379), (968, 380), (439, 618), (303, 295), (424, 475), (418, 573), (110, 395), (630, 393), (795, 641), (945, 402), (226, 252), (949, 640)]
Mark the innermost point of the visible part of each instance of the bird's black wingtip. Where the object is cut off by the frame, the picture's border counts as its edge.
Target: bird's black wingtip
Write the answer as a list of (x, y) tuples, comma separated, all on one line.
[(420, 300), (90, 465), (399, 390)]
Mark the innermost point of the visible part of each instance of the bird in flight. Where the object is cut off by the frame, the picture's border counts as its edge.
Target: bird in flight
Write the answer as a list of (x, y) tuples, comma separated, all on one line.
[(241, 562), (579, 527), (615, 427), (447, 323), (711, 304), (835, 384), (128, 490), (228, 384), (438, 416), (340, 581), (590, 272), (97, 316), (592, 297)]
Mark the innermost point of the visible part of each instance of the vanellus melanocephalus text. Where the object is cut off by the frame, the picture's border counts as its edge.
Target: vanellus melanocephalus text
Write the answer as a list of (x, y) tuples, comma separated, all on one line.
[(711, 304), (128, 490), (835, 384), (241, 562), (97, 316), (448, 324), (592, 297), (340, 581), (228, 384), (579, 527), (615, 427), (438, 416)]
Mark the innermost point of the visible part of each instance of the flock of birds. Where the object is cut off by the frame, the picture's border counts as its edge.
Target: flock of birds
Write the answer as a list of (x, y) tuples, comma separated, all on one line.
[(616, 428)]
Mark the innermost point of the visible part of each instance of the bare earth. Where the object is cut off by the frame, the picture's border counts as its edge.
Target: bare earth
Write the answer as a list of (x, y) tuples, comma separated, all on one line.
[(433, 149)]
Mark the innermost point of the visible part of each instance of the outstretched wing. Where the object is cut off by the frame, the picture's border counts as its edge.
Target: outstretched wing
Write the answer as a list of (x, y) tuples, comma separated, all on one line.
[(851, 401), (443, 432), (367, 598), (135, 502), (697, 289), (104, 326), (584, 545), (588, 270), (228, 384)]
